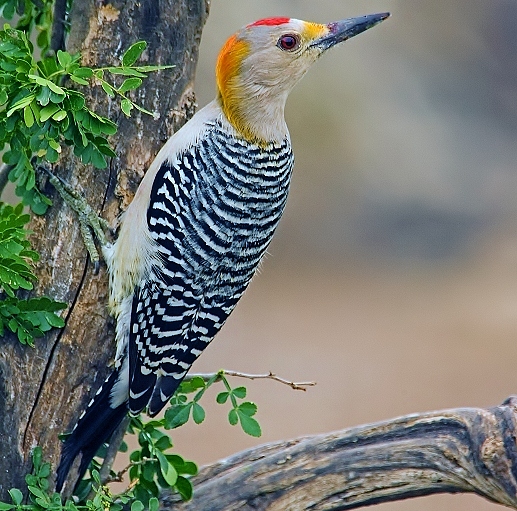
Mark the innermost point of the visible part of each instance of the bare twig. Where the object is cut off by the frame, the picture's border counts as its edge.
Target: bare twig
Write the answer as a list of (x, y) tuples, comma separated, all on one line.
[(466, 450), (268, 376)]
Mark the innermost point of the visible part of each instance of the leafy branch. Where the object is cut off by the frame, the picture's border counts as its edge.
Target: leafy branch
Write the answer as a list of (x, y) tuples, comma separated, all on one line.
[(27, 318), (240, 412), (40, 497), (30, 15), (38, 113), (151, 468)]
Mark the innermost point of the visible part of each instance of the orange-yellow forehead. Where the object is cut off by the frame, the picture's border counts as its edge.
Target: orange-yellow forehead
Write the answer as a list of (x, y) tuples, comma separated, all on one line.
[(314, 30)]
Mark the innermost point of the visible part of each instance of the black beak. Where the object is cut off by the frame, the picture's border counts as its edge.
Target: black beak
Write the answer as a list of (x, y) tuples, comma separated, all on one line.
[(345, 29)]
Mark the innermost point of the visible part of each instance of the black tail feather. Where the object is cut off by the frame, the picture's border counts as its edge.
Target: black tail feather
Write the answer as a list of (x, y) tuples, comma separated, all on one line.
[(94, 428)]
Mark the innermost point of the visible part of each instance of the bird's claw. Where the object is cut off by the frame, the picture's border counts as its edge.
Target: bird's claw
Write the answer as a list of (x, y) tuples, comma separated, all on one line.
[(90, 223)]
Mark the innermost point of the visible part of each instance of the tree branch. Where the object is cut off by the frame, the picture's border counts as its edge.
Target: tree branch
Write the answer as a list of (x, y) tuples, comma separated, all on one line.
[(268, 376), (462, 450)]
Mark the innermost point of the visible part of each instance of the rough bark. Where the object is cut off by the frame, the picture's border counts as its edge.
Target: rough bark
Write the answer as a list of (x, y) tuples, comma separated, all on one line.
[(462, 450), (43, 390)]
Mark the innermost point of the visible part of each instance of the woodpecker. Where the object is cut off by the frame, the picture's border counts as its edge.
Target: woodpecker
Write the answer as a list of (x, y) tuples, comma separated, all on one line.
[(200, 222)]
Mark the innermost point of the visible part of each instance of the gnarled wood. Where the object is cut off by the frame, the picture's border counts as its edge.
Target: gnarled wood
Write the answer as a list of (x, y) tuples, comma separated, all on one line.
[(452, 451), (43, 390)]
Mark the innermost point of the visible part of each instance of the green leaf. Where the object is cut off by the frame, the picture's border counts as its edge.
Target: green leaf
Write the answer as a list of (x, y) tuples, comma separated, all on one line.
[(126, 105), (76, 100), (198, 413), (148, 471), (16, 495), (176, 461), (28, 116), (64, 58), (239, 392), (43, 96), (233, 418), (55, 97), (248, 408), (167, 470), (132, 54), (137, 505), (31, 480), (184, 487), (42, 503), (192, 385), (6, 507), (108, 127), (56, 89), (249, 425), (98, 73), (21, 103), (189, 468), (38, 493), (130, 84), (83, 72), (44, 471), (29, 319), (197, 383), (47, 83), (37, 455), (154, 504), (54, 320), (126, 71), (77, 79), (222, 397), (59, 116), (97, 159), (177, 415), (108, 89), (48, 111), (163, 443), (3, 97)]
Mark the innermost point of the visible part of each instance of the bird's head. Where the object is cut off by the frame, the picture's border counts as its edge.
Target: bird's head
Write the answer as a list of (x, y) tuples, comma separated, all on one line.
[(259, 65)]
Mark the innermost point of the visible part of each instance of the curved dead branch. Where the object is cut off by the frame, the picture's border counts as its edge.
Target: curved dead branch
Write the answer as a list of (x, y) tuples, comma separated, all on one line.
[(466, 450)]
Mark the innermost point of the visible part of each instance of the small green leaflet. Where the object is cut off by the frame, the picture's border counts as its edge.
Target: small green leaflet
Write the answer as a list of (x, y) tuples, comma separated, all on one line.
[(132, 54)]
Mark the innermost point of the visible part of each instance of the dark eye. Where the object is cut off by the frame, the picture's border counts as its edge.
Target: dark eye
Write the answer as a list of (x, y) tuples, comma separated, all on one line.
[(289, 42)]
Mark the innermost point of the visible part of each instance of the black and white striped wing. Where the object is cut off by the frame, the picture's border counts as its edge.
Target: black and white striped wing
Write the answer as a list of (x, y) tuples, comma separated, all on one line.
[(174, 315)]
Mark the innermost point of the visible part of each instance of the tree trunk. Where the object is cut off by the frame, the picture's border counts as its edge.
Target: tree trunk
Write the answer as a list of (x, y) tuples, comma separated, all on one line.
[(462, 450), (43, 390)]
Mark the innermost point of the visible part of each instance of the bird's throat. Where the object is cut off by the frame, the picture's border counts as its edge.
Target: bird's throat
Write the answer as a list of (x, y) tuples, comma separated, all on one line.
[(259, 119)]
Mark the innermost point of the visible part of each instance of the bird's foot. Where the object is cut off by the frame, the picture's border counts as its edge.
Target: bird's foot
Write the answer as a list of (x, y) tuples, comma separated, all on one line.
[(90, 223)]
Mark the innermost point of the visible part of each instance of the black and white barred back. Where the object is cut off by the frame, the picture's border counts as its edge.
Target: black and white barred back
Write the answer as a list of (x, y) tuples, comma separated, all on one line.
[(211, 216)]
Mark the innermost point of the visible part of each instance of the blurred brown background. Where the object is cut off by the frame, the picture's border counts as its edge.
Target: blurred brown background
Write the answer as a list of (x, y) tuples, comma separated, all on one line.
[(392, 280)]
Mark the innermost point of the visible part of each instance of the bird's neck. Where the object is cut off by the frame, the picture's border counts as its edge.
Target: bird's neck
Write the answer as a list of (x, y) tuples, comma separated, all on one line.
[(257, 116)]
